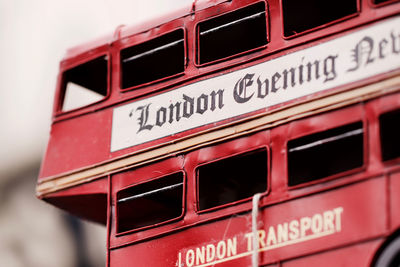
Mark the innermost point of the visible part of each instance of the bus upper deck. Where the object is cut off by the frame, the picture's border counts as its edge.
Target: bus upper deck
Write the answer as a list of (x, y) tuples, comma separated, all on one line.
[(140, 62), (159, 111)]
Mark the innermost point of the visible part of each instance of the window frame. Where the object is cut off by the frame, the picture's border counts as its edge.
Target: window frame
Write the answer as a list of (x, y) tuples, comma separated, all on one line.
[(216, 159), (371, 2), (318, 27), (143, 228), (76, 62), (134, 40), (392, 160), (196, 38), (333, 119), (375, 107)]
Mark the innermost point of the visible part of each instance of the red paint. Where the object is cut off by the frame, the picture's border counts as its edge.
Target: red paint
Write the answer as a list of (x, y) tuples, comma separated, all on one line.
[(357, 208), (394, 189), (79, 132), (347, 256)]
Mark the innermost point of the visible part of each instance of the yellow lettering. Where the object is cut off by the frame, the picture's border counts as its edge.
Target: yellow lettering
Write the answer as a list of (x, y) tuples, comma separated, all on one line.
[(190, 258), (271, 239), (305, 225), (179, 259), (338, 219), (316, 224), (249, 237), (200, 255), (283, 232), (261, 238), (328, 220), (294, 229), (232, 247), (210, 252), (221, 250)]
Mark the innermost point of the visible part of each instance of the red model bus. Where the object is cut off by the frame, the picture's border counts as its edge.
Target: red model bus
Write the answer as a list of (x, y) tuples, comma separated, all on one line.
[(236, 133)]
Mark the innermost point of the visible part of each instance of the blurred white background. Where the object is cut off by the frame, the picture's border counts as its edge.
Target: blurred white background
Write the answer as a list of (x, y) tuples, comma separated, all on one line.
[(34, 36)]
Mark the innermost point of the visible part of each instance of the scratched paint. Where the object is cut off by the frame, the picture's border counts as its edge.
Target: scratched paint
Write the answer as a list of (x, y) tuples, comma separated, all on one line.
[(318, 225)]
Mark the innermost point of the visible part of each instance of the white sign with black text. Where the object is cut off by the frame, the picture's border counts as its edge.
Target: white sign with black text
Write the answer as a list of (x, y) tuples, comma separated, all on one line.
[(356, 56)]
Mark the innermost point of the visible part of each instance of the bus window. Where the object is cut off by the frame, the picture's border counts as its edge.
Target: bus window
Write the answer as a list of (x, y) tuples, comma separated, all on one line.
[(229, 34), (150, 203), (300, 16), (232, 179), (323, 154), (390, 132), (153, 60), (378, 2), (85, 84)]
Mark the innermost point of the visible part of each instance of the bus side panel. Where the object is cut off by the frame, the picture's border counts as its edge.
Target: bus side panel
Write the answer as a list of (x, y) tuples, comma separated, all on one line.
[(358, 255), (78, 143), (218, 242), (338, 217), (395, 200), (295, 228)]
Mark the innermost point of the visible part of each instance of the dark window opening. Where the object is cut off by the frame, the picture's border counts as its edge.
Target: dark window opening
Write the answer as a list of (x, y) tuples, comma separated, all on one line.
[(150, 203), (378, 2), (390, 134), (153, 60), (325, 153), (300, 16), (232, 179), (85, 84), (232, 33)]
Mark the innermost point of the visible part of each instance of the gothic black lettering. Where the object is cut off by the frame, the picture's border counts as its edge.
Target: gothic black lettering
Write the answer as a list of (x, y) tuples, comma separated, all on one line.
[(395, 43), (239, 92), (285, 78), (275, 79), (292, 77), (143, 118), (365, 51), (263, 88), (220, 94), (301, 67), (176, 111), (177, 108), (188, 106), (161, 116), (329, 68), (362, 50), (309, 70), (382, 45), (202, 104)]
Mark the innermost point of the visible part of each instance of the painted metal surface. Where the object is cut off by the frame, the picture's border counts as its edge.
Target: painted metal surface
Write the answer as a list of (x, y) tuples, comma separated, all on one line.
[(79, 134), (361, 254), (340, 211), (260, 87), (290, 230), (394, 188), (342, 219)]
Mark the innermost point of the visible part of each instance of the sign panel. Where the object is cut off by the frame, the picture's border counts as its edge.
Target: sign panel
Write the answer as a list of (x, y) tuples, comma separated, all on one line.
[(356, 56), (299, 227), (307, 228), (338, 218)]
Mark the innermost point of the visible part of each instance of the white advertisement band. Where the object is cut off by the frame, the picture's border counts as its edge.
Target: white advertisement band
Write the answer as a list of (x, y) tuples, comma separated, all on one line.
[(356, 56)]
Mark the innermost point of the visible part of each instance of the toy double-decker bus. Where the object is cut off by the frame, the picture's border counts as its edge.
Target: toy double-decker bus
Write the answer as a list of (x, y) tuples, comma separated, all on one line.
[(236, 133)]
